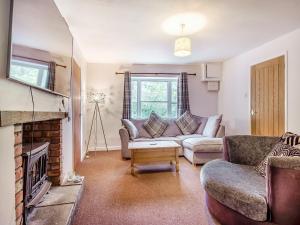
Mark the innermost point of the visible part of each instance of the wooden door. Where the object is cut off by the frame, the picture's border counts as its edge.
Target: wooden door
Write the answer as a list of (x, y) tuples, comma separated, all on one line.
[(268, 98), (76, 113)]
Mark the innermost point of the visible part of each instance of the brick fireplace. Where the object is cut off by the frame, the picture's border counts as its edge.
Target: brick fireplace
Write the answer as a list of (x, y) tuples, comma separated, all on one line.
[(42, 131)]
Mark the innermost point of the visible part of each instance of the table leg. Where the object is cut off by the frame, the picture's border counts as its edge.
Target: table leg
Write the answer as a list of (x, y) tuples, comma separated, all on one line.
[(177, 161), (132, 162)]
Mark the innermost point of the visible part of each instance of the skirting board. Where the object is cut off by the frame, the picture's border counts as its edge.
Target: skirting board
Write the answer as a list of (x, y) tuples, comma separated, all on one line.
[(110, 148)]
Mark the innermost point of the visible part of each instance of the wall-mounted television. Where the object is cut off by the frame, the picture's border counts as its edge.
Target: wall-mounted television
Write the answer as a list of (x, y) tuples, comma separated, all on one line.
[(40, 46)]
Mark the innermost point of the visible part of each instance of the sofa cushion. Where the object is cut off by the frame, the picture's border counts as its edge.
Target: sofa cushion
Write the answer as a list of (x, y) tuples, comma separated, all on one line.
[(238, 187), (155, 125), (203, 144), (131, 128), (212, 126), (280, 149), (139, 124), (187, 123), (183, 137), (202, 121), (172, 129)]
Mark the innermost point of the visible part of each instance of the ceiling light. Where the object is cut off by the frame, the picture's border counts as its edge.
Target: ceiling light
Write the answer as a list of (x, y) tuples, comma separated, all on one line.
[(193, 23), (183, 45)]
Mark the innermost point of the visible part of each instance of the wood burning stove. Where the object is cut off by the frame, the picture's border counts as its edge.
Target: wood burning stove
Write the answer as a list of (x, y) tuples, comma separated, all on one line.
[(36, 184)]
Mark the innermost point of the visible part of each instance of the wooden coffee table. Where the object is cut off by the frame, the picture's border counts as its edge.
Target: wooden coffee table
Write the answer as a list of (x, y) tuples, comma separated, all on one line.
[(154, 152)]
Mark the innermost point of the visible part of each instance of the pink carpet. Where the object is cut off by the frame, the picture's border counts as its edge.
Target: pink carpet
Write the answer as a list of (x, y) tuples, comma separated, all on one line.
[(155, 196)]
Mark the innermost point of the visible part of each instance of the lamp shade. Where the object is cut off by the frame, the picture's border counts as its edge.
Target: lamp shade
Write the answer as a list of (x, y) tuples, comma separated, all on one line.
[(183, 47)]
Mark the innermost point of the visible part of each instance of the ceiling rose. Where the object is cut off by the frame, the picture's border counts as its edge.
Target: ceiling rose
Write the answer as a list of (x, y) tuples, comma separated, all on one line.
[(193, 23)]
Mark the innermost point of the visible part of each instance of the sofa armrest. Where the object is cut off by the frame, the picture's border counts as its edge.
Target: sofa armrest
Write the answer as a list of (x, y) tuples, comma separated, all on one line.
[(283, 196), (124, 136), (247, 149), (221, 131)]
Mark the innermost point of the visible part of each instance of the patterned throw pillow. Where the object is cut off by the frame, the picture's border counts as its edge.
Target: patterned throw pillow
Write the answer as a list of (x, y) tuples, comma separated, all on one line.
[(280, 149), (291, 139), (186, 123), (155, 125), (131, 128)]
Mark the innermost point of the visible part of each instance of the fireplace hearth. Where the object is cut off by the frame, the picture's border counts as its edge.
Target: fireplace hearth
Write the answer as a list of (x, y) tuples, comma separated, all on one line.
[(36, 184)]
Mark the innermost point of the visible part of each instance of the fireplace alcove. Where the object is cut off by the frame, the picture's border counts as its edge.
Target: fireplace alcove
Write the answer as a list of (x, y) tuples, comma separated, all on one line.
[(46, 134), (41, 143), (42, 164)]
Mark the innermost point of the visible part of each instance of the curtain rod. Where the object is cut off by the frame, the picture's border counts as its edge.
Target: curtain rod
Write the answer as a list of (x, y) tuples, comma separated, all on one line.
[(39, 60), (190, 74)]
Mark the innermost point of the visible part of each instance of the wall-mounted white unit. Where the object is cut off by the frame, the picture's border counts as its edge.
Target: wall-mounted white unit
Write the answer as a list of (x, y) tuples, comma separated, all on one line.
[(211, 71), (213, 85)]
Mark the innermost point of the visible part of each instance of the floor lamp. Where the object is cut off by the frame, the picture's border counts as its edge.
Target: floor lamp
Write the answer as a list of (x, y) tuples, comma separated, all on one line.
[(98, 99)]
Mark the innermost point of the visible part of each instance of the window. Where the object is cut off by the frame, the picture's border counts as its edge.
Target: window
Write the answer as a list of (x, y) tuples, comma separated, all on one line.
[(33, 72), (153, 94)]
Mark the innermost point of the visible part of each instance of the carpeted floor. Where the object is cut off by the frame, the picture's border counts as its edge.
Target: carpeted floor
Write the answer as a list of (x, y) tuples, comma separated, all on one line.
[(155, 196)]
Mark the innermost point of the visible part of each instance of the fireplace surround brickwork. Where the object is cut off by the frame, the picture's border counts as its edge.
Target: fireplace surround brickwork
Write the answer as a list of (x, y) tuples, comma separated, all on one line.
[(43, 131), (18, 174), (48, 131)]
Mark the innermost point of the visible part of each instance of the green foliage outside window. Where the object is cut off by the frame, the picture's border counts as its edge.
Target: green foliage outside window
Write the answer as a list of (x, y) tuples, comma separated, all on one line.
[(158, 95)]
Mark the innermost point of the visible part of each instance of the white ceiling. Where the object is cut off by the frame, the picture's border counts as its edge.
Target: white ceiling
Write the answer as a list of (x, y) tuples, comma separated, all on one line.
[(129, 31)]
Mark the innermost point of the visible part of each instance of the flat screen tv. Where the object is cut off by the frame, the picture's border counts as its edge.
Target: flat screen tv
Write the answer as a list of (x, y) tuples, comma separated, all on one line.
[(40, 46)]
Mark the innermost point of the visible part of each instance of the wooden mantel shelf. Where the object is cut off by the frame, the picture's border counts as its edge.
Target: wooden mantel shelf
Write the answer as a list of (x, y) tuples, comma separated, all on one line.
[(8, 118)]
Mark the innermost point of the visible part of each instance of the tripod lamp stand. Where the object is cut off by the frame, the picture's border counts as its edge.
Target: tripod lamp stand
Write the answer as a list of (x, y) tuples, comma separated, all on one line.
[(98, 99)]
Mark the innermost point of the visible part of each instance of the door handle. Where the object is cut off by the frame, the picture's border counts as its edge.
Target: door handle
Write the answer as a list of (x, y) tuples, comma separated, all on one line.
[(252, 112)]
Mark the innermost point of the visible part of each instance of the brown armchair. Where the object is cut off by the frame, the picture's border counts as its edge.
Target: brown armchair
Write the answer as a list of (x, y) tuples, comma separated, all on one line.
[(236, 194)]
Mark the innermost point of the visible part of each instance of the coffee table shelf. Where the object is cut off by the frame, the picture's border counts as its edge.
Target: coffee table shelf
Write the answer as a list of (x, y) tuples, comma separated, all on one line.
[(154, 152)]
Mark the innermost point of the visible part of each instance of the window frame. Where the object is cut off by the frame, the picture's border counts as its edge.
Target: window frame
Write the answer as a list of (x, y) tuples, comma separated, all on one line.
[(32, 64), (168, 80)]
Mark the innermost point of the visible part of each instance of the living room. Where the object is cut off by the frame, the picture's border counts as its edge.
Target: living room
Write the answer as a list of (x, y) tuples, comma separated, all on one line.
[(138, 112)]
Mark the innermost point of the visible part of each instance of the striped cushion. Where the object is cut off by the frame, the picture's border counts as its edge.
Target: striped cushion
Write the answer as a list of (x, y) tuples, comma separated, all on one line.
[(280, 149), (187, 123), (155, 125), (291, 139)]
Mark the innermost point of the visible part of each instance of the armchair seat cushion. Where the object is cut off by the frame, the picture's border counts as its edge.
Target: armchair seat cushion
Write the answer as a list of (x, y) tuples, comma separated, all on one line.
[(203, 144), (238, 187)]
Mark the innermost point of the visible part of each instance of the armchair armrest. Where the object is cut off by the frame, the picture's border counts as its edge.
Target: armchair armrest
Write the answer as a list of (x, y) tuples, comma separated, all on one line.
[(247, 149), (124, 136), (283, 196)]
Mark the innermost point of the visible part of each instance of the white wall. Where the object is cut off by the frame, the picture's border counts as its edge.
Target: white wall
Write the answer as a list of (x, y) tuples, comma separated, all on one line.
[(234, 95), (14, 96), (102, 77), (7, 176)]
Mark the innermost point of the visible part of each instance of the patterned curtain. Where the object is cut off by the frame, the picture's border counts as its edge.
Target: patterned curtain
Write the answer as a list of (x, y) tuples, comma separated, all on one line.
[(51, 69), (127, 96), (183, 103)]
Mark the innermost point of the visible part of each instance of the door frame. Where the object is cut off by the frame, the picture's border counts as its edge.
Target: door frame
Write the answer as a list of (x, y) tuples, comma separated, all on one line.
[(285, 55), (72, 107)]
